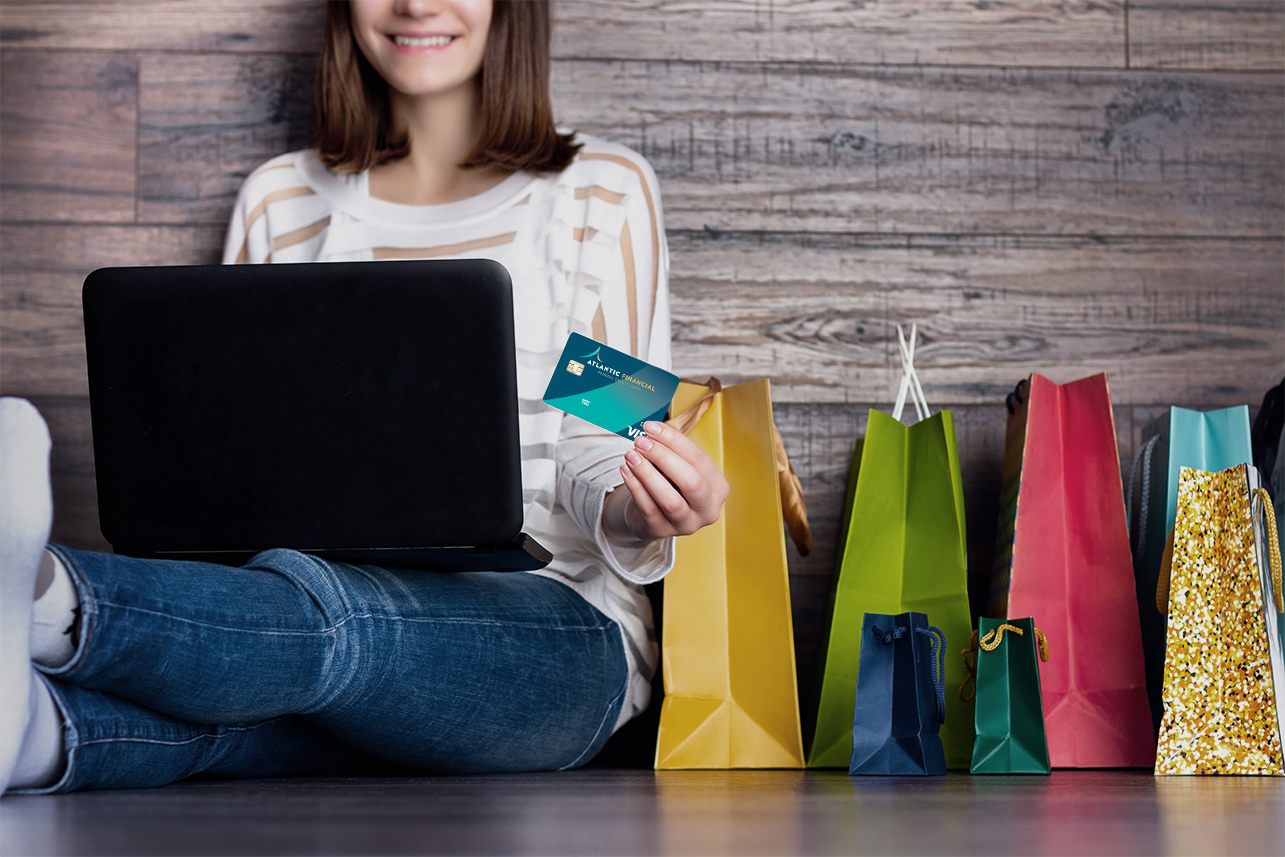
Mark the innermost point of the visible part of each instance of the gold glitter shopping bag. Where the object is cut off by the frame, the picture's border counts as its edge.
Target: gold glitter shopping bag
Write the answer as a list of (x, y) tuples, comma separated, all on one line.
[(1223, 662)]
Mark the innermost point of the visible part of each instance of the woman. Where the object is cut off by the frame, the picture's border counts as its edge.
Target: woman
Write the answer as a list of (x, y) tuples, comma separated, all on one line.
[(436, 139)]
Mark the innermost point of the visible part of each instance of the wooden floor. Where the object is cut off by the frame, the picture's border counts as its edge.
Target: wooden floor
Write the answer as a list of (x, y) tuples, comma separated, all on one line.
[(641, 812)]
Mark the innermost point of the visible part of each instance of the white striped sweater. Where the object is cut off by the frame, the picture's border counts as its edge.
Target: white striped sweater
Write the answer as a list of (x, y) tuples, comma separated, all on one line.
[(586, 251)]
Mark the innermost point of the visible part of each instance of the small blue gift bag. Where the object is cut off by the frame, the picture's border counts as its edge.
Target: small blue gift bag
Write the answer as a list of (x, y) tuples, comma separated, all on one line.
[(901, 702)]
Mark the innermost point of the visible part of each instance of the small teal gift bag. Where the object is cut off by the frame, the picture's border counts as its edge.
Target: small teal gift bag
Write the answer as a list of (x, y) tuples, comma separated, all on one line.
[(1205, 440), (901, 697)]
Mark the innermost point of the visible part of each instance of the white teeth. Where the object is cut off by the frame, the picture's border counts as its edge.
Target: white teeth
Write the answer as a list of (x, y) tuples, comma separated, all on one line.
[(426, 42)]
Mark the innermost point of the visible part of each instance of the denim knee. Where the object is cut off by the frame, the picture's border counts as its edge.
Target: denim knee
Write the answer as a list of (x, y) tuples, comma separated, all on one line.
[(316, 579), (339, 593)]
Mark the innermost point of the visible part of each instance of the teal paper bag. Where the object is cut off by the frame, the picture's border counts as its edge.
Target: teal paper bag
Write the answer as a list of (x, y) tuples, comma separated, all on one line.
[(902, 550), (1211, 441), (1011, 738)]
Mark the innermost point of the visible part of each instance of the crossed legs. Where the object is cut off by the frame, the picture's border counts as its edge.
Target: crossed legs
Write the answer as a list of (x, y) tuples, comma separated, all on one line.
[(292, 664)]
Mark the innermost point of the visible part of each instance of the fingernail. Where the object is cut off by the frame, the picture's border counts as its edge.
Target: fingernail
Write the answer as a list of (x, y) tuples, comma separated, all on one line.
[(643, 443), (633, 457), (653, 427), (625, 471)]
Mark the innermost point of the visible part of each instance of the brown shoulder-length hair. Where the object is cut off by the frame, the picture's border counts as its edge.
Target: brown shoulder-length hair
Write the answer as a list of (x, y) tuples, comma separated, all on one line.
[(354, 116)]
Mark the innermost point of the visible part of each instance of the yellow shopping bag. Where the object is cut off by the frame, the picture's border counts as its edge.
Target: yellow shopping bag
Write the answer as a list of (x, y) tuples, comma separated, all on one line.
[(727, 648)]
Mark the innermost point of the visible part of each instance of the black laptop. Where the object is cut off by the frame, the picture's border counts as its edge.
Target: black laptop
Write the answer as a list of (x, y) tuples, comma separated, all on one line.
[(362, 411)]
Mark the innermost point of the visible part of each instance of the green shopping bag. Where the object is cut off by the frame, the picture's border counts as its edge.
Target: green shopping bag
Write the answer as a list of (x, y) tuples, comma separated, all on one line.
[(1010, 712), (902, 550)]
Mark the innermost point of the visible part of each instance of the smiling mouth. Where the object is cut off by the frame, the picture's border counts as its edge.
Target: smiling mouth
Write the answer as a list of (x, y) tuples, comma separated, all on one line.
[(424, 42)]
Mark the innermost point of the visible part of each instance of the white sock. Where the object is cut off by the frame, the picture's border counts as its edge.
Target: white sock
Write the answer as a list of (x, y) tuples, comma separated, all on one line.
[(54, 614), (41, 760), (26, 513)]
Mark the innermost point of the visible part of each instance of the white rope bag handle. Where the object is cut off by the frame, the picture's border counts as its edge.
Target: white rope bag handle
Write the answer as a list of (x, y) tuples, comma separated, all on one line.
[(909, 377)]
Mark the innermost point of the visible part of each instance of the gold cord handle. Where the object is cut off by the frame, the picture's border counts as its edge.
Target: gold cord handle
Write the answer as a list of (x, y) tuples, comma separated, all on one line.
[(793, 508), (1166, 571), (1273, 541), (990, 643), (996, 636), (1042, 644)]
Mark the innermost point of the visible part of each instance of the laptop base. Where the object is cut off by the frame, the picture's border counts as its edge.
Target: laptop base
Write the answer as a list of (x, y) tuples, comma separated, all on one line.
[(522, 553)]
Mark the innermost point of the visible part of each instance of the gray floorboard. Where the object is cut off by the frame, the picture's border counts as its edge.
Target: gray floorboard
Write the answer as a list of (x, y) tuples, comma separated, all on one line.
[(681, 812)]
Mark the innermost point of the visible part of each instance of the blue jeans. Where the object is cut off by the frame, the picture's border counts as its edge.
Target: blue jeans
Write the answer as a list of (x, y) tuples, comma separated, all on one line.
[(294, 665)]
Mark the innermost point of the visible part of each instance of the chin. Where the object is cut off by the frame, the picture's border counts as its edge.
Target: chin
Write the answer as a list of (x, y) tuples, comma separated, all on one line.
[(416, 86)]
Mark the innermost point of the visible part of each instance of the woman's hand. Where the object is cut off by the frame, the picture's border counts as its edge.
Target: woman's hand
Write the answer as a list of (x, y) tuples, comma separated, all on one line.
[(674, 488)]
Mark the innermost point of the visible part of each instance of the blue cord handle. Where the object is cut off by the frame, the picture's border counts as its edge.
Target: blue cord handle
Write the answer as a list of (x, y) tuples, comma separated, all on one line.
[(936, 658), (937, 663), (894, 634), (1138, 536)]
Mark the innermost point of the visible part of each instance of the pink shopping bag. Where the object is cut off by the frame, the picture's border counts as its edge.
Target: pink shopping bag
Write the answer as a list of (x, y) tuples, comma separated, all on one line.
[(1071, 570)]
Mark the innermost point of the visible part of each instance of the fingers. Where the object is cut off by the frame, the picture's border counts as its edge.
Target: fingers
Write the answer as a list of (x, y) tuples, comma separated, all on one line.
[(642, 516), (685, 476), (660, 492), (678, 442), (687, 466), (675, 486)]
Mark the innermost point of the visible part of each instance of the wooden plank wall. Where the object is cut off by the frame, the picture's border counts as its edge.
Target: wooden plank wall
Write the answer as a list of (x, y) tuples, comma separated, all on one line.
[(1068, 187)]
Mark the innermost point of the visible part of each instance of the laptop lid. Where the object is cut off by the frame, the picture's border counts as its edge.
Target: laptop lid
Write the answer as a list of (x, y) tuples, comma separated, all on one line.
[(329, 407)]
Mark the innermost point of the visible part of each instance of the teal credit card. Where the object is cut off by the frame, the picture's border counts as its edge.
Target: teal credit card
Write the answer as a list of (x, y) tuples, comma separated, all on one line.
[(609, 388)]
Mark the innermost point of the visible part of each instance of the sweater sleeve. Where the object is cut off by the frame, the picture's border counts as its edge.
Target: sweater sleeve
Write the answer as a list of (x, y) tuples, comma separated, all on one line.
[(633, 317), (249, 239)]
